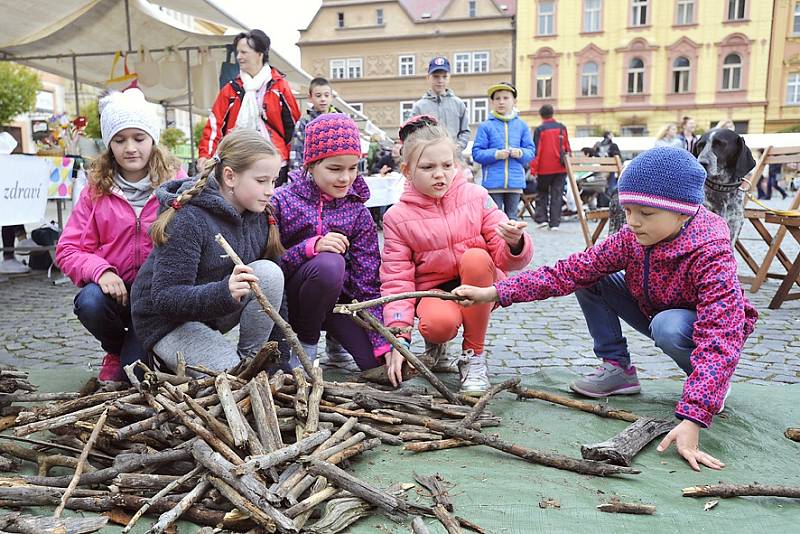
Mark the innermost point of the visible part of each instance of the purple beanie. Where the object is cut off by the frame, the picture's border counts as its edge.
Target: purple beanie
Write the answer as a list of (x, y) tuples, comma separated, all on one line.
[(331, 134)]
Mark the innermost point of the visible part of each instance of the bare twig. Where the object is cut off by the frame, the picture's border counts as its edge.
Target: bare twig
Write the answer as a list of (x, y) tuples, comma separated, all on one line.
[(742, 490), (358, 306), (596, 409), (470, 418)]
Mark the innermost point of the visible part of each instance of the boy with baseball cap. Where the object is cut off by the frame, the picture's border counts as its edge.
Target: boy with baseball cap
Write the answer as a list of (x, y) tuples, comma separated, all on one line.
[(442, 103)]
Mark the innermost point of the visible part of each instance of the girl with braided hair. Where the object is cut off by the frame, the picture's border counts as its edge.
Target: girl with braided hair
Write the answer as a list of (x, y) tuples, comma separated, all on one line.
[(187, 295), (105, 240)]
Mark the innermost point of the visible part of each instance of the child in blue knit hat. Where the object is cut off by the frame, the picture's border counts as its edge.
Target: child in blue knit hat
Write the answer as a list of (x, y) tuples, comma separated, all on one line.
[(669, 273)]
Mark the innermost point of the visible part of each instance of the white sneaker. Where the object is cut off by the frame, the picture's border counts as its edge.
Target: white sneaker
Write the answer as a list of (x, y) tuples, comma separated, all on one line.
[(474, 374), (337, 354), (25, 245), (13, 266), (554, 229), (542, 225)]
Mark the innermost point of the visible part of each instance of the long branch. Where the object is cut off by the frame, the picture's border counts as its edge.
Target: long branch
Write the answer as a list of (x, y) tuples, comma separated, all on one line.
[(358, 306), (742, 490), (596, 409)]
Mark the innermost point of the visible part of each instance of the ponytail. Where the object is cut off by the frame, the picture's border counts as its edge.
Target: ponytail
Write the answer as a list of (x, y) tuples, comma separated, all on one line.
[(274, 249)]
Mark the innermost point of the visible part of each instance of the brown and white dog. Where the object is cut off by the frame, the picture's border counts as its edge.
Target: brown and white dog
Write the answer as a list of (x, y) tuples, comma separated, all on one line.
[(727, 160)]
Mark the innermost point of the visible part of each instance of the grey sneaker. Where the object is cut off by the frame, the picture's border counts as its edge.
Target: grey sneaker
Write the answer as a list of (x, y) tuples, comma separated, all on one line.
[(442, 362), (474, 374), (337, 354), (607, 379), (13, 266)]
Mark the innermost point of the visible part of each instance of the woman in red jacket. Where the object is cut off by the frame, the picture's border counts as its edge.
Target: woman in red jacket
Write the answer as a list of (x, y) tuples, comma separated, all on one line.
[(259, 98)]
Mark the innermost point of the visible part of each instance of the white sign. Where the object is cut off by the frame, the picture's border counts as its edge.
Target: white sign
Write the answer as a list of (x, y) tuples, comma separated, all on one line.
[(23, 189), (384, 190)]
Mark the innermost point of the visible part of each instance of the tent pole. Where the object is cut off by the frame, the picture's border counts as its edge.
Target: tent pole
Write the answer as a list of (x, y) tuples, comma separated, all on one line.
[(191, 118), (75, 85), (128, 24)]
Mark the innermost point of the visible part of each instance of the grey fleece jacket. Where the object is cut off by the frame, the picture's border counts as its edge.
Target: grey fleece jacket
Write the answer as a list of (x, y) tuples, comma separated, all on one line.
[(451, 112), (186, 279)]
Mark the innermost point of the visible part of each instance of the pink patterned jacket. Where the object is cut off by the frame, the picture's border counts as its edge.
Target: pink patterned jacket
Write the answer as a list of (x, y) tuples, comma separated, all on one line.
[(696, 270)]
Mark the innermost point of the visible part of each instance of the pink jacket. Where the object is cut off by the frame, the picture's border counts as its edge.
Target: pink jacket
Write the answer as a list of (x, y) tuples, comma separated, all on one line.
[(105, 233), (694, 271), (424, 239)]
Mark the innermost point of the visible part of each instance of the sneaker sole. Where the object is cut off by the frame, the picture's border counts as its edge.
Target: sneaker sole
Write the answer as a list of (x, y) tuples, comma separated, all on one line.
[(472, 393), (628, 390)]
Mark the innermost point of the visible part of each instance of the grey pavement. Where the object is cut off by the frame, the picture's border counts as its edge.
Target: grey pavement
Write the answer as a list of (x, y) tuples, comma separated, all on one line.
[(38, 328)]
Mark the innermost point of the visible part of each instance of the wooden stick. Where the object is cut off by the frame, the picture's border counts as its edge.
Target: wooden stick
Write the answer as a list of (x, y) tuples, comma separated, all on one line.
[(69, 418), (742, 490), (168, 518), (81, 462), (621, 449), (318, 493), (601, 410), (618, 507), (437, 445), (243, 504), (265, 392), (312, 421), (470, 418), (435, 485), (409, 357), (793, 434), (62, 408), (418, 526), (164, 491), (358, 306), (279, 321), (232, 413), (300, 402), (361, 427), (349, 452), (36, 397), (314, 499), (447, 520), (26, 524), (357, 487), (355, 439), (290, 452)]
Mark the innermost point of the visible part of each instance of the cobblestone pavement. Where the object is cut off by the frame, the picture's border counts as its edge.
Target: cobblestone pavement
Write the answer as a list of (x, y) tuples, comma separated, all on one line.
[(38, 328)]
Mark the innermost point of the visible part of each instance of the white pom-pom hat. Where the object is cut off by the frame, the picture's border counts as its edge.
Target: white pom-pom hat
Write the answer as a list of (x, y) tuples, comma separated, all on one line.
[(128, 109)]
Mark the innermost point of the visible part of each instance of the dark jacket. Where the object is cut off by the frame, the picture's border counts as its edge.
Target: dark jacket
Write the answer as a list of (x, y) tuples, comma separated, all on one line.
[(550, 139), (186, 279), (385, 159)]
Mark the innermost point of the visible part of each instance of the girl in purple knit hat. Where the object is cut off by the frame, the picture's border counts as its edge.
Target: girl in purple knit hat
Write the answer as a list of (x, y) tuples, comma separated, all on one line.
[(669, 273), (331, 242)]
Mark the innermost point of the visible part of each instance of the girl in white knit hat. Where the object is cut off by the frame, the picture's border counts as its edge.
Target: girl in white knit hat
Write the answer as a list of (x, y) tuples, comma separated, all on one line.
[(105, 240)]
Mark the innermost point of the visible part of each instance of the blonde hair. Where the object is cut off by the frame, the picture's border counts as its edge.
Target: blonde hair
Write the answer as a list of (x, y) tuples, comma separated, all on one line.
[(664, 129), (238, 150), (424, 137), (161, 167), (725, 123)]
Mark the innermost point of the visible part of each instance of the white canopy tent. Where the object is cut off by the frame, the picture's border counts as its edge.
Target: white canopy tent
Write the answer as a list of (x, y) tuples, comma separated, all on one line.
[(77, 39)]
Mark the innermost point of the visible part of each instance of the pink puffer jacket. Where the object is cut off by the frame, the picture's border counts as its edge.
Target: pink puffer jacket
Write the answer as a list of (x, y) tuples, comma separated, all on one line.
[(424, 239)]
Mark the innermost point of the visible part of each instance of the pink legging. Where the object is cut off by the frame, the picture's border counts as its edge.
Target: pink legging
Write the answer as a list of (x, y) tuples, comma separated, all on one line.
[(439, 320)]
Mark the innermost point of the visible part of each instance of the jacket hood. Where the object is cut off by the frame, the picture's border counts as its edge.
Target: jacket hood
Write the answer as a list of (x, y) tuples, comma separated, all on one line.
[(412, 196), (303, 186), (430, 95), (210, 198), (701, 230)]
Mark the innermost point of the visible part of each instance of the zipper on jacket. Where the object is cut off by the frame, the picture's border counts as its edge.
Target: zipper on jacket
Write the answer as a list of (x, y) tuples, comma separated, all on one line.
[(319, 217), (505, 125), (136, 242), (440, 205), (646, 276)]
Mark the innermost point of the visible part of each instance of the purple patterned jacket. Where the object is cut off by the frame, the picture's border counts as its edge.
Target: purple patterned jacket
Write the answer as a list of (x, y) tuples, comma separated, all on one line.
[(696, 270), (303, 216)]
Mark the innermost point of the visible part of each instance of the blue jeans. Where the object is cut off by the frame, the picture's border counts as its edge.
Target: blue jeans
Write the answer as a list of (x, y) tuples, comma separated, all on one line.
[(508, 202), (109, 322), (609, 300)]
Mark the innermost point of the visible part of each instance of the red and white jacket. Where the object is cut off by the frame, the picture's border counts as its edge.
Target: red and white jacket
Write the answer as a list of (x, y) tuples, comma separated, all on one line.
[(280, 112)]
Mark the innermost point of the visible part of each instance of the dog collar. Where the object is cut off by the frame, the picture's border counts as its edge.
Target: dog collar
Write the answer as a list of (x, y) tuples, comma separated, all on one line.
[(722, 188)]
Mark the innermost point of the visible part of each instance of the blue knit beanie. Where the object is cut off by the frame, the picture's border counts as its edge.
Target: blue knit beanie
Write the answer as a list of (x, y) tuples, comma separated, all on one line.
[(667, 178)]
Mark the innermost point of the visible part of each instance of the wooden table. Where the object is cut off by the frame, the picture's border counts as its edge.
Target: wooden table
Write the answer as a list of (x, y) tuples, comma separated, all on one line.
[(792, 226)]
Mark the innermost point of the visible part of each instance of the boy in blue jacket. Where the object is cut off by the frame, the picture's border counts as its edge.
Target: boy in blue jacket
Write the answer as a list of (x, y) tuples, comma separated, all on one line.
[(504, 147)]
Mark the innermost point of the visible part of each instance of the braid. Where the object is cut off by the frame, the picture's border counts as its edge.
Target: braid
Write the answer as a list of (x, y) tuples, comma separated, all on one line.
[(158, 230), (274, 249)]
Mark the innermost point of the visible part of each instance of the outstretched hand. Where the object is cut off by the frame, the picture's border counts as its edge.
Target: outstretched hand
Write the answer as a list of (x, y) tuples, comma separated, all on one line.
[(475, 295), (512, 233), (687, 440)]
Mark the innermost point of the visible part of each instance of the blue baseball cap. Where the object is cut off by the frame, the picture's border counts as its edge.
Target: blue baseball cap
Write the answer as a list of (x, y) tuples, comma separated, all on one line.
[(438, 63)]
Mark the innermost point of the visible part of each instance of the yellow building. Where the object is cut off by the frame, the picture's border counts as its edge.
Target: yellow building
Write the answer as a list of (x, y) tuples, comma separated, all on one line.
[(376, 52), (630, 66), (783, 91)]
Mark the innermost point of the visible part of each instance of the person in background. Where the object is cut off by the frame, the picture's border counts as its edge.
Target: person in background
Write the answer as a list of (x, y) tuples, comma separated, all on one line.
[(11, 265), (441, 102), (687, 137), (503, 146), (260, 99), (668, 136), (726, 123), (320, 96), (390, 161), (774, 170), (552, 144), (375, 149), (607, 148)]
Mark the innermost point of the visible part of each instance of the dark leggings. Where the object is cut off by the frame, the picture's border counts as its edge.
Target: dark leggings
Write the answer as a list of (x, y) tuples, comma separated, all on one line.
[(10, 233)]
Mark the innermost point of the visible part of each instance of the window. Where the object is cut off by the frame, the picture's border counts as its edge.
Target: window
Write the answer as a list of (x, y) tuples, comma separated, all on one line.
[(547, 16), (379, 17), (354, 67), (633, 130), (793, 88), (357, 106), (680, 75), (685, 13), (407, 66), (736, 9), (544, 81), (639, 12), (636, 76), (732, 72), (796, 19), (405, 110), (337, 69), (590, 79), (591, 15), (462, 61), (479, 110), (45, 101), (585, 131), (340, 19), (472, 8), (480, 62)]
